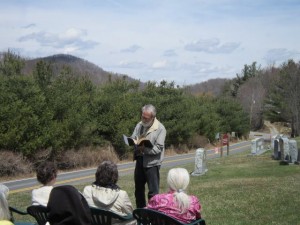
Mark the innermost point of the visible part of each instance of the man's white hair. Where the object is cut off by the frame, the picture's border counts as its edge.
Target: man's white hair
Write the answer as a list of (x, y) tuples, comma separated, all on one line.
[(149, 108)]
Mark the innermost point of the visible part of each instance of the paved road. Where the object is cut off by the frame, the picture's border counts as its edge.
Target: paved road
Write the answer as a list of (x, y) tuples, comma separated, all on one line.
[(87, 175), (265, 136), (272, 128)]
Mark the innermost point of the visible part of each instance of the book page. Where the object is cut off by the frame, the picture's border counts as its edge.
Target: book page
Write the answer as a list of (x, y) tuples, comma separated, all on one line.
[(129, 140), (125, 139), (146, 142)]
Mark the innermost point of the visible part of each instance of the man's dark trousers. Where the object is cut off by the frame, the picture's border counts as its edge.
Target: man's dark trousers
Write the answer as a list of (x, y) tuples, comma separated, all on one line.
[(141, 177)]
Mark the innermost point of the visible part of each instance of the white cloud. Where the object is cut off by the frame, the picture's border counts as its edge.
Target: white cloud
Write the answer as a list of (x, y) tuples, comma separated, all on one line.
[(132, 49), (29, 26), (211, 46), (69, 41), (130, 64), (280, 54), (72, 34), (169, 53), (160, 64)]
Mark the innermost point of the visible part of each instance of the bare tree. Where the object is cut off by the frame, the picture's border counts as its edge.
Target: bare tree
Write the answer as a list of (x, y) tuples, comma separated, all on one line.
[(251, 95)]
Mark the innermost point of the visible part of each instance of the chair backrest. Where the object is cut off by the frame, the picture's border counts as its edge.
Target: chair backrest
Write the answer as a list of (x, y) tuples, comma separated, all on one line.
[(40, 213), (153, 217), (106, 217)]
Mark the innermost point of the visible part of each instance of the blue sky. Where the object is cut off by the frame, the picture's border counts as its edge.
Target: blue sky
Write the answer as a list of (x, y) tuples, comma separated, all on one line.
[(185, 41)]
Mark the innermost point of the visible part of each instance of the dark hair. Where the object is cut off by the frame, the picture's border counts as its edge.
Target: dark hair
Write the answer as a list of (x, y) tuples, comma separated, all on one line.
[(107, 175), (46, 172)]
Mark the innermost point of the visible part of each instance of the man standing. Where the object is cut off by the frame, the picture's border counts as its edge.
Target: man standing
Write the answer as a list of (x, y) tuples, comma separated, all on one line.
[(148, 159)]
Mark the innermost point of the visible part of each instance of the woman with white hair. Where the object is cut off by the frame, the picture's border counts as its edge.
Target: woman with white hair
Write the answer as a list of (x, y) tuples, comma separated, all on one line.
[(176, 203), (4, 209)]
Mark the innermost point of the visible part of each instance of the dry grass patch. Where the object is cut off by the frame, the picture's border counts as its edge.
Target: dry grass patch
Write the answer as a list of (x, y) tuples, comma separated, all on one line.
[(86, 157), (13, 165)]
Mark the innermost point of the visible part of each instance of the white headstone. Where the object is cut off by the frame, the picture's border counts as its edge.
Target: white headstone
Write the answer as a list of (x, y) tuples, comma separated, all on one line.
[(200, 162), (286, 147), (257, 145), (293, 150), (253, 146)]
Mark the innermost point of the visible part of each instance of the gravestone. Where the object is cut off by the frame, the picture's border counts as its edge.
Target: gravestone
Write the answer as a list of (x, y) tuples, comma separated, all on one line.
[(276, 149), (257, 145), (281, 150), (233, 134), (273, 139), (200, 162), (293, 151), (286, 148)]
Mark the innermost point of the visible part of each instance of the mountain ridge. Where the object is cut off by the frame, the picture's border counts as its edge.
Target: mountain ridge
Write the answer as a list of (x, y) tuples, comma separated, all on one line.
[(80, 67), (83, 68)]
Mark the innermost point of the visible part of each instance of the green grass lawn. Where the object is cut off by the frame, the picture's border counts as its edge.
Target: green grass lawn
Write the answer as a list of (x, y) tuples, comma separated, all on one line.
[(238, 189)]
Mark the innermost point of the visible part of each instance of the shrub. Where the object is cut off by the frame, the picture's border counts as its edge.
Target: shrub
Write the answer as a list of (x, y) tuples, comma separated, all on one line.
[(86, 157), (14, 164), (198, 141)]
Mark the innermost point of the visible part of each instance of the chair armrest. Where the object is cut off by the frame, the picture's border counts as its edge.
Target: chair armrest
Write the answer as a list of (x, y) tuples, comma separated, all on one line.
[(123, 218), (15, 210), (197, 222), (127, 217)]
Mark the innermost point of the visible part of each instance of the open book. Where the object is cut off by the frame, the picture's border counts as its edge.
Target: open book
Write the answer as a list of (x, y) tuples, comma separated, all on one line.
[(142, 141)]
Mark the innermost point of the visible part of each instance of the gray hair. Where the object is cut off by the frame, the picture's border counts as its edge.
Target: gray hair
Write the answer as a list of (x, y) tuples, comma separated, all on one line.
[(149, 108), (178, 180), (4, 210)]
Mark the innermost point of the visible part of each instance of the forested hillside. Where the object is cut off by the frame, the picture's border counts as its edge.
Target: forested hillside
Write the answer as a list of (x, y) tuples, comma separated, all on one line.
[(51, 112), (212, 87), (79, 67)]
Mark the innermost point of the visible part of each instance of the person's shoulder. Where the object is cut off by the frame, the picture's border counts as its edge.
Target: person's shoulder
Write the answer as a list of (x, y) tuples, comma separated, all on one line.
[(87, 188), (6, 222), (36, 190), (42, 189), (122, 192), (194, 199), (138, 124), (160, 125), (161, 195), (47, 188), (193, 196)]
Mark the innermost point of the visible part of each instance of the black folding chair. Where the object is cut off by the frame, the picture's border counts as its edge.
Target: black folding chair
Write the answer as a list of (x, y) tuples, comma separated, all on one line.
[(153, 217)]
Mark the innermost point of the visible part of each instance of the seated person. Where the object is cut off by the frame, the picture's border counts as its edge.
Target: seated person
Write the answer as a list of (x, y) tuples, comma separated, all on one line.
[(176, 203), (46, 174), (68, 207), (4, 209), (104, 193)]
